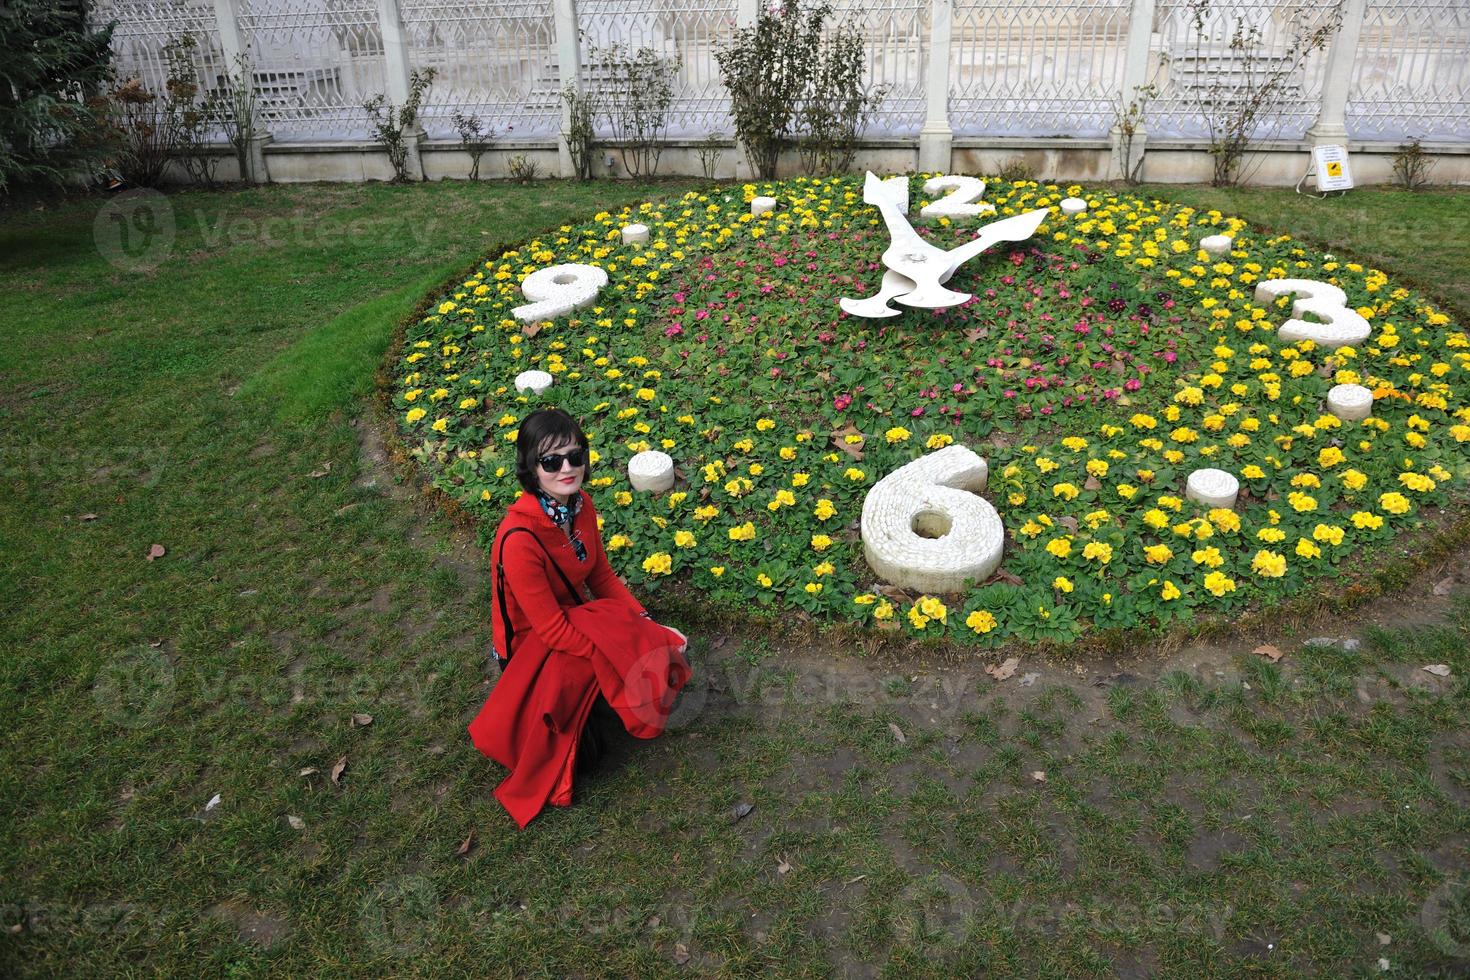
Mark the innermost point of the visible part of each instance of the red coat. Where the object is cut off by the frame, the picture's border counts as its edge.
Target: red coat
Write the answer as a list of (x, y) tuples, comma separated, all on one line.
[(536, 596), (563, 656)]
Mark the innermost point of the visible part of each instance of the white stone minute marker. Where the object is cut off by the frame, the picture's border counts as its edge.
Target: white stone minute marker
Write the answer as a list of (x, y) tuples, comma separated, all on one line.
[(1213, 488), (1217, 245), (1073, 205), (652, 471), (533, 381), (1351, 403), (760, 205), (634, 233), (925, 528)]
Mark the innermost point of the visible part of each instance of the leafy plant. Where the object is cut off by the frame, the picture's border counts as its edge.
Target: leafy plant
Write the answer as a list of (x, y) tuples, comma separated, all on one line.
[(711, 149), (474, 139), (581, 131), (238, 114), (638, 89), (1016, 169), (835, 106), (391, 123), (153, 128), (768, 69), (199, 111), (522, 168), (1233, 112), (1411, 165), (53, 67)]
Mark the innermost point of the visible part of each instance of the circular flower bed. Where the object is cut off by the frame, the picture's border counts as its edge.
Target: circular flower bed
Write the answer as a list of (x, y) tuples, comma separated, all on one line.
[(1096, 367)]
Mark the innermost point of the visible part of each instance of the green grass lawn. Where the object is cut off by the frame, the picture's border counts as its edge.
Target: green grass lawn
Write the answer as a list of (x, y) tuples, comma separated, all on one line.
[(1208, 813)]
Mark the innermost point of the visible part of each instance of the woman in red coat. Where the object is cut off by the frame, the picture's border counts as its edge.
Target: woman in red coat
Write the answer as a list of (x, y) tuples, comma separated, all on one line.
[(547, 554)]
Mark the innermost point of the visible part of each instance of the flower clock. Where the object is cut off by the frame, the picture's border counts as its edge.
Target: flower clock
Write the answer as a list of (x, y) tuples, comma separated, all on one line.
[(1013, 410)]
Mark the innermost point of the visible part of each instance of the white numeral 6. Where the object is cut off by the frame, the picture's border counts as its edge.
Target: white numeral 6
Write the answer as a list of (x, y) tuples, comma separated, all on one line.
[(925, 528)]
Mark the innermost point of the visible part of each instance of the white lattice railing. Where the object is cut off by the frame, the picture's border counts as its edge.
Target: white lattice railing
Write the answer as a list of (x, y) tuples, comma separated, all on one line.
[(1411, 76), (1046, 68), (1043, 69)]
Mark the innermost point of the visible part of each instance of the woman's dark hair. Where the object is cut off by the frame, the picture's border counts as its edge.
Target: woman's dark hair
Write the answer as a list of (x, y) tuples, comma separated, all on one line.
[(541, 430)]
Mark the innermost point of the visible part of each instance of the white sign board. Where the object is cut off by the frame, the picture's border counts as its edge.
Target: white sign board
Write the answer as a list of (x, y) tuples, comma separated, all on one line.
[(1331, 165)]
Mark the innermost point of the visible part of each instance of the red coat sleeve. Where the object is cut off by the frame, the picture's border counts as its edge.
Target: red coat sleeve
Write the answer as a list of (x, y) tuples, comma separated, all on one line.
[(604, 581), (529, 580)]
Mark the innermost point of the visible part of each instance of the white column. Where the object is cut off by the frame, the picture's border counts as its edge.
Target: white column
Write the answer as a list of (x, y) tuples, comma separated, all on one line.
[(232, 43), (1136, 64), (1331, 124), (568, 59), (396, 75), (936, 139)]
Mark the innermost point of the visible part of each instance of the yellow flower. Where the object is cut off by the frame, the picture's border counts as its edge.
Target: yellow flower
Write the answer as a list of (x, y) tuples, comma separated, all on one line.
[(800, 479), (622, 498), (1170, 591), (1097, 468), (1329, 533), (717, 570), (1101, 552), (764, 425), (1064, 490), (884, 610), (704, 514), (684, 539), (440, 425), (1219, 583), (825, 568), (820, 542), (1062, 582), (646, 394), (812, 588), (745, 532), (917, 617), (618, 542), (933, 608), (1157, 554), (854, 474), (783, 498), (763, 580), (1060, 547), (897, 434), (414, 414), (1330, 457), (1306, 549), (939, 441), (1394, 503), (824, 509), (1225, 519), (1302, 503), (1208, 556), (1366, 520), (981, 621), (1268, 564), (866, 599), (658, 563)]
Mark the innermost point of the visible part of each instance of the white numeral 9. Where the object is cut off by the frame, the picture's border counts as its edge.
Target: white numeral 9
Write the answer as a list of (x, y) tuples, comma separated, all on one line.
[(559, 289)]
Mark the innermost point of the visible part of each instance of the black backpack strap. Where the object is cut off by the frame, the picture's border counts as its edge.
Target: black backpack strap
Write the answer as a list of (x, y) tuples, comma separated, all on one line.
[(500, 586)]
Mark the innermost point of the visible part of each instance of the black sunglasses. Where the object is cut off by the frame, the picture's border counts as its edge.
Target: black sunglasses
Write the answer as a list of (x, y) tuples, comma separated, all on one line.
[(551, 462)]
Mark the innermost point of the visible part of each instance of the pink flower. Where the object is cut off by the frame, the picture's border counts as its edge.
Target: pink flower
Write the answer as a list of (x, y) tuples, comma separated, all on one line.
[(673, 331), (917, 412), (1132, 384), (841, 402)]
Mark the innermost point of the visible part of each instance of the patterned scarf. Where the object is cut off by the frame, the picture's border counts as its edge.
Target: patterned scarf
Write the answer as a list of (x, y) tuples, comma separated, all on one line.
[(563, 516)]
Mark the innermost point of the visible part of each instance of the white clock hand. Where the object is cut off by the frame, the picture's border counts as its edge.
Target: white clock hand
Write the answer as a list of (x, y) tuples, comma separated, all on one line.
[(894, 284), (1016, 229)]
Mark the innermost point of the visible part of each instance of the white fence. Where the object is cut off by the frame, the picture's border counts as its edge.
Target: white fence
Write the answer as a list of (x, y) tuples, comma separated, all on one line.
[(1008, 68)]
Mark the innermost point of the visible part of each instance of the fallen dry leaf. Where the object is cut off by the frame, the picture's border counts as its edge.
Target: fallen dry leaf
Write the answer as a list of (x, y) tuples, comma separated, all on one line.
[(681, 954), (1091, 483), (1001, 575), (741, 811), (1442, 587), (718, 642), (1005, 670), (784, 865), (1438, 670), (1039, 775), (1070, 523), (361, 720), (88, 517), (157, 551), (1271, 653), (853, 449), (323, 471), (296, 822), (654, 922), (532, 329), (337, 770), (897, 733), (466, 844), (214, 801), (854, 881), (309, 771)]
